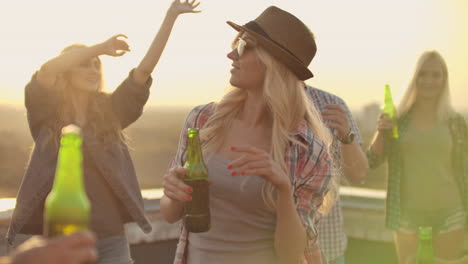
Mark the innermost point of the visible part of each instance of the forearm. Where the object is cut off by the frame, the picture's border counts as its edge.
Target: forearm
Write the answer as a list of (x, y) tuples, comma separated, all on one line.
[(290, 235), (377, 145), (171, 210), (67, 60), (149, 61), (354, 162), (5, 260)]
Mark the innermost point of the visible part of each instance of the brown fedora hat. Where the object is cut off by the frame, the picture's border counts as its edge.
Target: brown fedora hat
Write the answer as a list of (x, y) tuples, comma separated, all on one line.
[(285, 37)]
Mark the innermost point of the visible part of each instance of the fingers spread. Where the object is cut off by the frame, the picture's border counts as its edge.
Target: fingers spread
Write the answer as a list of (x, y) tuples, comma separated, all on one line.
[(244, 159)]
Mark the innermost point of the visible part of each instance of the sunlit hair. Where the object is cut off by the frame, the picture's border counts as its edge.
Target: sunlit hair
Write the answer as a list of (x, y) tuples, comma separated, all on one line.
[(444, 105), (98, 112), (287, 103)]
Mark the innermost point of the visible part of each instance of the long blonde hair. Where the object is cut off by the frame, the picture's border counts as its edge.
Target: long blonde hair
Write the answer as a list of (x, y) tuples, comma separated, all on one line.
[(99, 113), (444, 107), (288, 105)]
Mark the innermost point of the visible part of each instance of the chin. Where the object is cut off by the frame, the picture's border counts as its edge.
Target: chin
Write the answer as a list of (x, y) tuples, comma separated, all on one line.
[(234, 82)]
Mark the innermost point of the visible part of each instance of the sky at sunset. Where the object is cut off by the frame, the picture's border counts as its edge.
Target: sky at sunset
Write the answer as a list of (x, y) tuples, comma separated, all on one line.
[(362, 44)]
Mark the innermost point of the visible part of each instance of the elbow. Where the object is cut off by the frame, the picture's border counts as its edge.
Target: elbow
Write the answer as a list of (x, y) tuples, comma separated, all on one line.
[(141, 75), (359, 178), (358, 174)]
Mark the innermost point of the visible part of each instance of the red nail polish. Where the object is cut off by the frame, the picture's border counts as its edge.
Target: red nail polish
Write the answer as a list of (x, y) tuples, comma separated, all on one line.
[(190, 190), (233, 148), (229, 167), (233, 173), (188, 198), (243, 172)]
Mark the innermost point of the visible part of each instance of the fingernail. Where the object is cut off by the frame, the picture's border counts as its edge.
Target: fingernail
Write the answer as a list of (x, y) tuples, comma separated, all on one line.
[(243, 172), (229, 167), (233, 148), (233, 173), (190, 190), (188, 198)]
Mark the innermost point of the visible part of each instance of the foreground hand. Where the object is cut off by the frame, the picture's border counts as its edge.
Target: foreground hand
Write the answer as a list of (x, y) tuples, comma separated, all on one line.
[(114, 46), (338, 118), (258, 162), (174, 186), (186, 6), (72, 249), (384, 123)]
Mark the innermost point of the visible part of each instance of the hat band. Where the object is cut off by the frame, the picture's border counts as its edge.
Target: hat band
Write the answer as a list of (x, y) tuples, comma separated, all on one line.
[(254, 26)]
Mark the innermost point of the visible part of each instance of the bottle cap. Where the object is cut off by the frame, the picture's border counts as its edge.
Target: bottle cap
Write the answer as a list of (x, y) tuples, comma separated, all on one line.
[(192, 132), (425, 232), (71, 129)]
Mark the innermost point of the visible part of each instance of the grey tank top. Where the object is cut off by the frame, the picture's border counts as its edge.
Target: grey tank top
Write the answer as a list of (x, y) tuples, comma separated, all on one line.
[(242, 226)]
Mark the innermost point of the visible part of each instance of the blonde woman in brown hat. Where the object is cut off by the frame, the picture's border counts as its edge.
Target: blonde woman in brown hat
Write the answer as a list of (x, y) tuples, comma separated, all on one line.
[(266, 150), (69, 89)]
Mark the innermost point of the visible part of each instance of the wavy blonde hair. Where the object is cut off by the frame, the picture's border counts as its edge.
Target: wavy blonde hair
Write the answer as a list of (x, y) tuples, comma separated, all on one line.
[(99, 113), (444, 104), (287, 103)]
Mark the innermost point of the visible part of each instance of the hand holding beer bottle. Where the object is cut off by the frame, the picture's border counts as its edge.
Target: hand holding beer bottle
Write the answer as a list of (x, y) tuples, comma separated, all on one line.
[(390, 110), (197, 210), (67, 208)]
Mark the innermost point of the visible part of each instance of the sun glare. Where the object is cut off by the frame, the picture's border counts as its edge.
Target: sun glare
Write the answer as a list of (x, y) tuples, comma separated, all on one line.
[(7, 204), (362, 44)]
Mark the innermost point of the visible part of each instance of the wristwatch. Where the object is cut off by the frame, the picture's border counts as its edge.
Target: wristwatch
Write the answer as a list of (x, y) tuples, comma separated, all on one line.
[(348, 139)]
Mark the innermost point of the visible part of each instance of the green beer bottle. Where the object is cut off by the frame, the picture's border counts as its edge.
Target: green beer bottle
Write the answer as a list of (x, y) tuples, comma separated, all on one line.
[(389, 109), (67, 208), (425, 253), (196, 211)]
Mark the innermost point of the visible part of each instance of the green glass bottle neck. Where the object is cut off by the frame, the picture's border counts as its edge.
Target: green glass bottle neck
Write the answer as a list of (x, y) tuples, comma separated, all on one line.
[(389, 107), (194, 153), (69, 172), (425, 235), (388, 95), (425, 251)]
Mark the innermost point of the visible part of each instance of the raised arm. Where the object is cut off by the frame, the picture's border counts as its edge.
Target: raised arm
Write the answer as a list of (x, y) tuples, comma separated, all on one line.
[(148, 63), (42, 99), (353, 159), (49, 71), (376, 150)]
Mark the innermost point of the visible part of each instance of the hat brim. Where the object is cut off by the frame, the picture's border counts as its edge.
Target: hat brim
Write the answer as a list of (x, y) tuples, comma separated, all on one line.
[(282, 55)]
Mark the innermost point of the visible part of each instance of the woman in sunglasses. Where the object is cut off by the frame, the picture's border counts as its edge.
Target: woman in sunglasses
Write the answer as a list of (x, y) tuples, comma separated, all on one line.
[(69, 89), (266, 150)]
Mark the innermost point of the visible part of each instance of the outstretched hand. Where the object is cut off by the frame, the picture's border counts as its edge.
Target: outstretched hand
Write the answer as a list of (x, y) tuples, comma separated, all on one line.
[(186, 6), (255, 161), (114, 46)]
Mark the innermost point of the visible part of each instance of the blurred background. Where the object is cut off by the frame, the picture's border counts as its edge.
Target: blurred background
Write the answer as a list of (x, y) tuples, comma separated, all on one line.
[(362, 45)]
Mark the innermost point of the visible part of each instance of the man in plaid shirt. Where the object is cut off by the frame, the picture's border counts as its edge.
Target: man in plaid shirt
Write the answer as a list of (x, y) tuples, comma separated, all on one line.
[(338, 118)]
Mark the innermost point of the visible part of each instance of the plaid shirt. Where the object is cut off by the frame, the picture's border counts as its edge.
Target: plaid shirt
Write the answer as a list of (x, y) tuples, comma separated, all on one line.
[(332, 238), (392, 154), (310, 172)]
